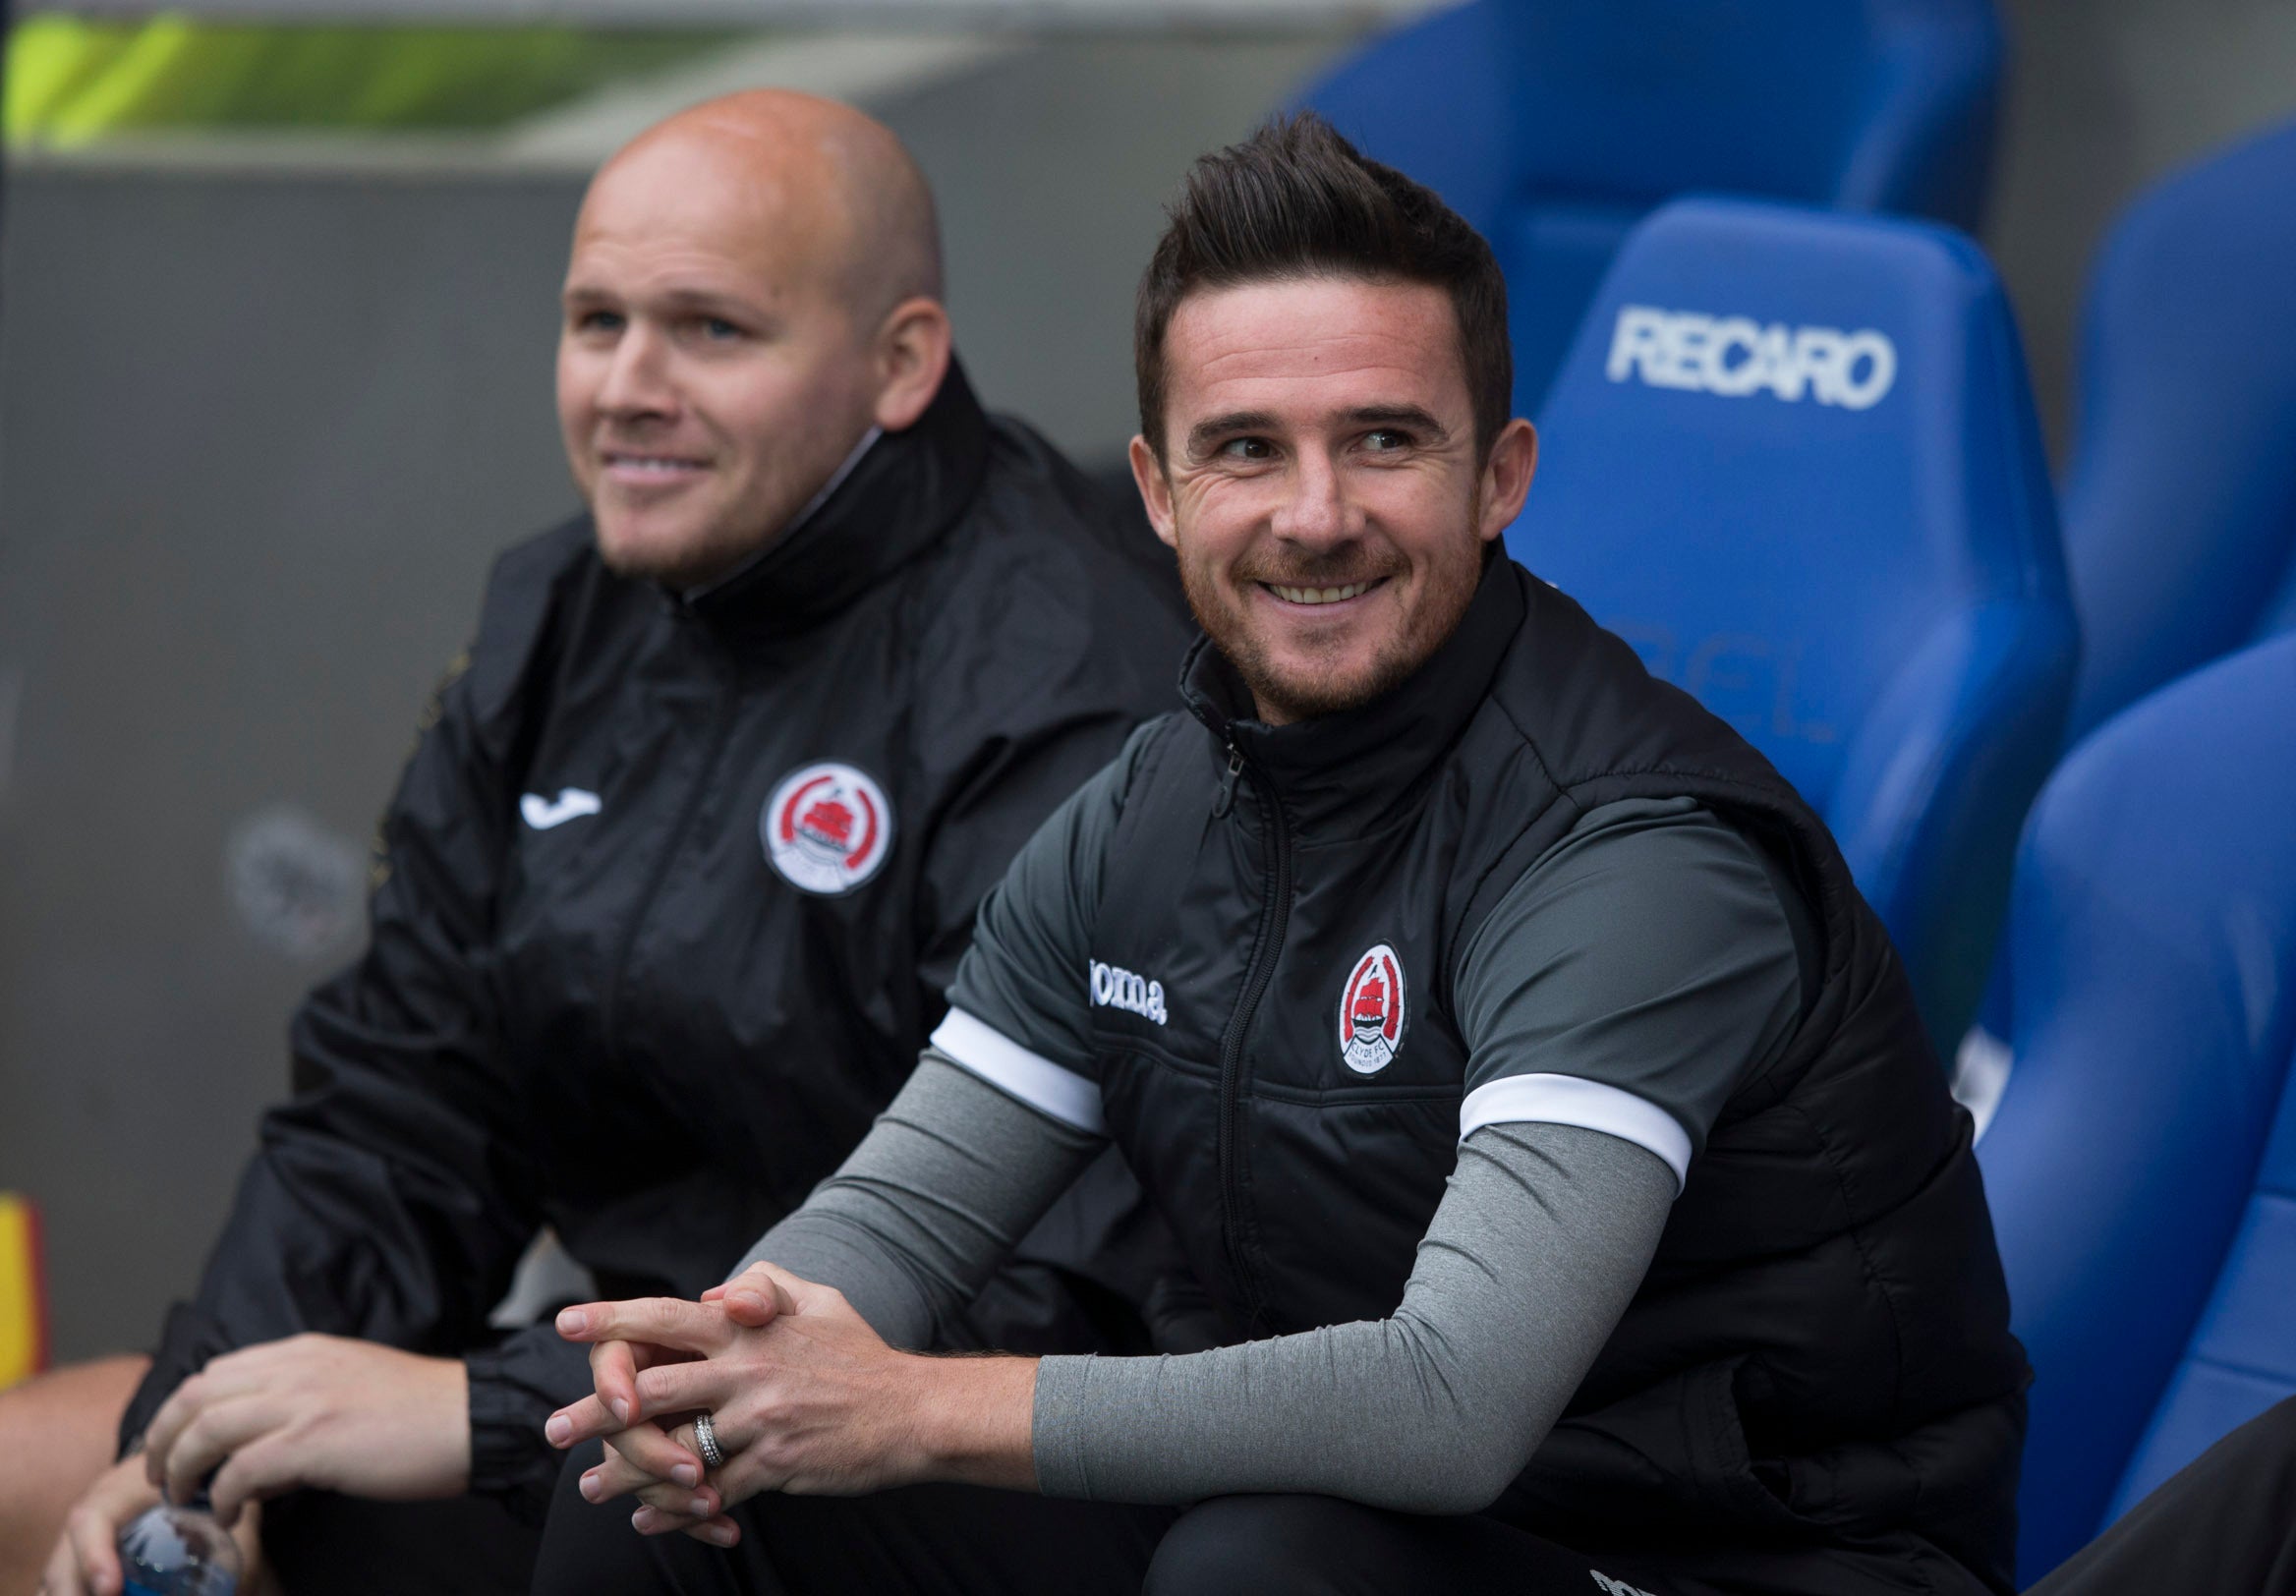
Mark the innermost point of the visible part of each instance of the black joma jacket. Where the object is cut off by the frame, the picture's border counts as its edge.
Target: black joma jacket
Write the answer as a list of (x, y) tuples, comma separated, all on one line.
[(663, 910)]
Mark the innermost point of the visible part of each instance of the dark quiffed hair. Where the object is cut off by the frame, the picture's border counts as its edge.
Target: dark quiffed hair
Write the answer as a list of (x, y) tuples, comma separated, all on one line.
[(1295, 200)]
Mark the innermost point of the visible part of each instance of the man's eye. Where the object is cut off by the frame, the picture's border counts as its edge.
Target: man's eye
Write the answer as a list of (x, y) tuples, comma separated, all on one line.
[(1248, 448), (717, 330), (1386, 440), (598, 321)]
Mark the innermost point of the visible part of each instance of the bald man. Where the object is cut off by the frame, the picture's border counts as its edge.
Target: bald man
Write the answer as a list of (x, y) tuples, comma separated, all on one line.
[(674, 883)]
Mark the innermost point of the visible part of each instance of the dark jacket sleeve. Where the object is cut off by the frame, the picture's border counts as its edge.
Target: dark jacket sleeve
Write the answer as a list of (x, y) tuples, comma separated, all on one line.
[(389, 1198), (515, 1385), (1032, 675), (1034, 664)]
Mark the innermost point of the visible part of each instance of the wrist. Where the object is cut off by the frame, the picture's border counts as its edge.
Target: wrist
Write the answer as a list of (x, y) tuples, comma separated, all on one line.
[(975, 1420), (454, 1413)]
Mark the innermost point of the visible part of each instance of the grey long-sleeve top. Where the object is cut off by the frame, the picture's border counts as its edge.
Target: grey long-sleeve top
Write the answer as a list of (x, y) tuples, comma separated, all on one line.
[(1651, 952), (1532, 1255)]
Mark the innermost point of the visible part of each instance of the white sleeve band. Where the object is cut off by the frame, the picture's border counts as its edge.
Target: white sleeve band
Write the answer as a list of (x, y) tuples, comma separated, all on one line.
[(1012, 1069), (1572, 1100)]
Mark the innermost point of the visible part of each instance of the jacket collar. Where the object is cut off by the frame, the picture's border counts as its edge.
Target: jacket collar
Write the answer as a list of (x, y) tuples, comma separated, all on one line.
[(893, 502), (1345, 770)]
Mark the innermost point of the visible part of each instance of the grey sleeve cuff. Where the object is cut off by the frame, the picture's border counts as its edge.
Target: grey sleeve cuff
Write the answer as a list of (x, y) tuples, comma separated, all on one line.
[(1061, 1425), (946, 1183), (1640, 970), (1533, 1254)]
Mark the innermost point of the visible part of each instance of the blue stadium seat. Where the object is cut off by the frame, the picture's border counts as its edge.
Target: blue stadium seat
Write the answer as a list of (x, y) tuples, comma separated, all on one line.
[(2242, 1357), (2152, 937), (1554, 125), (2179, 507), (1794, 460), (2180, 504)]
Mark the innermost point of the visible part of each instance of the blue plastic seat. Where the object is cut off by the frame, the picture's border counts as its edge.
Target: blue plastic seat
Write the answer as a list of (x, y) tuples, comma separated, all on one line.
[(1793, 459), (1555, 125), (2153, 935), (2180, 505), (2242, 1355)]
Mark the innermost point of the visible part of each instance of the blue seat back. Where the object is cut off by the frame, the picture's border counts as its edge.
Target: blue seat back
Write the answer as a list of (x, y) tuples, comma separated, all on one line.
[(2242, 1355), (1793, 459), (2180, 504), (1554, 125), (2152, 939)]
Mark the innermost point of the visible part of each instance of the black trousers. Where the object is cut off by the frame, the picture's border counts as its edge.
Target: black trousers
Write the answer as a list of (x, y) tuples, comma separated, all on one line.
[(320, 1544), (944, 1540), (2226, 1525)]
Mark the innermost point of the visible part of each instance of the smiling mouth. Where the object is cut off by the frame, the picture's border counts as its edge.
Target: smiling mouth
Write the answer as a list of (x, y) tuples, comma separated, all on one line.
[(664, 465), (1322, 596)]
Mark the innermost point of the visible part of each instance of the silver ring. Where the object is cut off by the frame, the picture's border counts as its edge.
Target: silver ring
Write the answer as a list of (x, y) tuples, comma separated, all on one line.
[(706, 1442)]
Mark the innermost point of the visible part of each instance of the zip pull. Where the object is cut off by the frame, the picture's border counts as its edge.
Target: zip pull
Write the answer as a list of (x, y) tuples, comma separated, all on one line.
[(1227, 800)]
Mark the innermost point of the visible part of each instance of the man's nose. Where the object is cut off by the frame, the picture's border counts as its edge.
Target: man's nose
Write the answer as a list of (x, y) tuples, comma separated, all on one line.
[(1315, 508), (637, 377)]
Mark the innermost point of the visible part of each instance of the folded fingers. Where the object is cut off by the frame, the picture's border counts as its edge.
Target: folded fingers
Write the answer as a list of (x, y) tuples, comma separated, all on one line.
[(669, 1322), (702, 1386), (657, 1453), (580, 1422), (615, 1477), (214, 1433), (719, 1531)]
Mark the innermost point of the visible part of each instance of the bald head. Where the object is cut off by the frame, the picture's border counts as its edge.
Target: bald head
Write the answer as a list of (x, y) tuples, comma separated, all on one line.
[(840, 184), (754, 283)]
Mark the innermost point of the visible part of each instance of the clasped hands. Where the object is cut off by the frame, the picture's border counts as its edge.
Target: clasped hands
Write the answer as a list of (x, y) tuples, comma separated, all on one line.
[(803, 1396)]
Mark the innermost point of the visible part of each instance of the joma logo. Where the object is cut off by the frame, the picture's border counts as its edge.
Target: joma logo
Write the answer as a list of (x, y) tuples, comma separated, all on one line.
[(1113, 988)]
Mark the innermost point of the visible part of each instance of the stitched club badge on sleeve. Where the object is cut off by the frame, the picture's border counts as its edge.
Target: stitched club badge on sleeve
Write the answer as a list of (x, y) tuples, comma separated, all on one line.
[(827, 828), (1372, 1012)]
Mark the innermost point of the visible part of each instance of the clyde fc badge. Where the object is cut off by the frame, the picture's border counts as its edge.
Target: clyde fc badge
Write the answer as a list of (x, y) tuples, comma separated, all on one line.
[(827, 828), (1372, 1012)]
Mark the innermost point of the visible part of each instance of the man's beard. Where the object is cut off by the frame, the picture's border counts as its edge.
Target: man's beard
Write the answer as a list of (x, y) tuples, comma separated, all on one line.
[(679, 569), (1449, 591), (699, 559)]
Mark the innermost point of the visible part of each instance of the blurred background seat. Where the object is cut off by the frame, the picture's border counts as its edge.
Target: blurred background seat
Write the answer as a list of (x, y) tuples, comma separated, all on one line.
[(2153, 936), (1793, 460), (2241, 1358), (1555, 125), (2180, 503)]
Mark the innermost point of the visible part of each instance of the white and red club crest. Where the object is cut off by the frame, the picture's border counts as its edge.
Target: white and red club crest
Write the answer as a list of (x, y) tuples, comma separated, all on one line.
[(827, 828), (1371, 1011)]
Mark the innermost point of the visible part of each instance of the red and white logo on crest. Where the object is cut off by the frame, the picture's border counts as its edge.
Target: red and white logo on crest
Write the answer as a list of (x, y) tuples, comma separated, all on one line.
[(1371, 1011), (827, 828)]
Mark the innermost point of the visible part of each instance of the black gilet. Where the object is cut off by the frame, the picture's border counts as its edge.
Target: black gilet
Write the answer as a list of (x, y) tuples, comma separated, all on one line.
[(1821, 1350)]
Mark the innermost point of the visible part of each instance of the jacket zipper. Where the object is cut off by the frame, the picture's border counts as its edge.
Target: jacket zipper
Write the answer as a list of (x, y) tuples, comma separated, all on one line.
[(1227, 799), (611, 1009), (1275, 915)]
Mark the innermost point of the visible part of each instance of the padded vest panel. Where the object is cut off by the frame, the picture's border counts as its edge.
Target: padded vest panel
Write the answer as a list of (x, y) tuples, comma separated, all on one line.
[(1828, 1286)]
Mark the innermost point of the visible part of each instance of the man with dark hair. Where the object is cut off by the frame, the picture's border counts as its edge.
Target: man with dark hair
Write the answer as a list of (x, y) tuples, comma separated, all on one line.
[(680, 866), (1533, 1094)]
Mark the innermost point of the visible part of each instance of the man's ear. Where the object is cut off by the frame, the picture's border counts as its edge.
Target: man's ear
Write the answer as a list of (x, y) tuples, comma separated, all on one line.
[(913, 346), (1506, 473), (1155, 490)]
